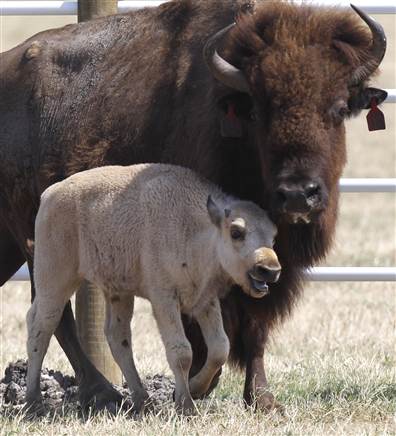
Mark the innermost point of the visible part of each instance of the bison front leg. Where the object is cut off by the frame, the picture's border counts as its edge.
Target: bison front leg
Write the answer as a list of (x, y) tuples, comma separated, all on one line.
[(11, 256), (94, 389), (256, 392)]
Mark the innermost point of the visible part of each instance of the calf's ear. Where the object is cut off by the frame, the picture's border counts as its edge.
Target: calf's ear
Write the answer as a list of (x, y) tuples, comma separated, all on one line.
[(363, 99), (214, 212)]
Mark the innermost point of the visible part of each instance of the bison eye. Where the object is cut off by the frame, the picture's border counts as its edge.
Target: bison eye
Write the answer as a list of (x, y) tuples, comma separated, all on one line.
[(343, 111), (253, 116), (339, 111), (237, 233)]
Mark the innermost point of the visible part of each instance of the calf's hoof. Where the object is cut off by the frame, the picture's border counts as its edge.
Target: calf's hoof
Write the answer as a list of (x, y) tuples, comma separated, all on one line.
[(197, 391), (213, 384), (100, 396)]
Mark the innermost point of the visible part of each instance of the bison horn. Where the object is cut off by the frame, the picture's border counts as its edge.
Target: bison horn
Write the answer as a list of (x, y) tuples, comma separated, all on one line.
[(377, 51), (222, 70)]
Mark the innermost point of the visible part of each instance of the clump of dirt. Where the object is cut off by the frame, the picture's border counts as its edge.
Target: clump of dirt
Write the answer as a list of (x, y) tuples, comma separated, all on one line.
[(59, 391)]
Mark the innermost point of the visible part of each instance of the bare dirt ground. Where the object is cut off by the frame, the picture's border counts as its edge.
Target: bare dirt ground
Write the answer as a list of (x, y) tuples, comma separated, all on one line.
[(332, 364)]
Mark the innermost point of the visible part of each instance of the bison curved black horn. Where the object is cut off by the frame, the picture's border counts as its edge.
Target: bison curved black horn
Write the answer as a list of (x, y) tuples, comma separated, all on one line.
[(222, 70), (377, 51)]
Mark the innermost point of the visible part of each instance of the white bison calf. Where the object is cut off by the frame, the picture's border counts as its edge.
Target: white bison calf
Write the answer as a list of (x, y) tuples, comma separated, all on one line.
[(155, 231)]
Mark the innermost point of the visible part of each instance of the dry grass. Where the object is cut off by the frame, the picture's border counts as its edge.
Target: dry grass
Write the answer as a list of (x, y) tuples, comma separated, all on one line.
[(332, 365)]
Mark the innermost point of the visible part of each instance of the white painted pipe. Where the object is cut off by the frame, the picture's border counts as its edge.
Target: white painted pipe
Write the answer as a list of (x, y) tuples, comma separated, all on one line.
[(22, 275), (352, 274), (369, 6), (55, 7), (42, 7), (368, 185), (391, 96), (322, 274)]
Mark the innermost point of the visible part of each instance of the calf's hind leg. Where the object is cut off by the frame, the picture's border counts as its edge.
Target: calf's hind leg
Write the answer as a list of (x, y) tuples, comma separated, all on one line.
[(119, 312), (93, 387), (211, 323), (42, 319)]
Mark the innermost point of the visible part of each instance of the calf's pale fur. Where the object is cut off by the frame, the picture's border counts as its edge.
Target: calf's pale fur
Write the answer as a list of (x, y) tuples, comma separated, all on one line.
[(155, 231)]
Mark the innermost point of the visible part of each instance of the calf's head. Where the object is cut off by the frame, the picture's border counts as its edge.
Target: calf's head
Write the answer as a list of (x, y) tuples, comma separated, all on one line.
[(245, 240), (296, 73)]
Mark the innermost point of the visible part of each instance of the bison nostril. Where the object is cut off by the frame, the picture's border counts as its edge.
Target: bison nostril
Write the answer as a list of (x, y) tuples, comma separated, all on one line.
[(281, 196), (293, 200), (312, 190)]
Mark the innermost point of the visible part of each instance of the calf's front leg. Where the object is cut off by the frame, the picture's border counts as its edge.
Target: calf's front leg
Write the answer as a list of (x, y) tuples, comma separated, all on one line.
[(211, 323), (167, 313)]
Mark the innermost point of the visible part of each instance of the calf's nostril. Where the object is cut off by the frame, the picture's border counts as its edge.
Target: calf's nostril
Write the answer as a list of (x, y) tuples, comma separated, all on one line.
[(260, 272), (266, 274)]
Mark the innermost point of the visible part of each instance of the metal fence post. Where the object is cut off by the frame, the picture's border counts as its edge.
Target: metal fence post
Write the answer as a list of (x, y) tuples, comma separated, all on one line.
[(90, 304)]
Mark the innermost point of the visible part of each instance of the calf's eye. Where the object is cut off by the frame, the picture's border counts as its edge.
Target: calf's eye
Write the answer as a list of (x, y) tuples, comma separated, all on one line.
[(237, 233)]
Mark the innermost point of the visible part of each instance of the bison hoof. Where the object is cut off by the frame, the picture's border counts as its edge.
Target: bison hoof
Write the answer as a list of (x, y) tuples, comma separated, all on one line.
[(186, 408), (184, 405), (264, 401), (34, 409), (140, 401), (101, 396)]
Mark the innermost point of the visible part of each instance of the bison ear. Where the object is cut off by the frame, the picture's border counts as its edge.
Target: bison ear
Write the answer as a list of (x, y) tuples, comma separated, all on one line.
[(214, 212), (363, 99)]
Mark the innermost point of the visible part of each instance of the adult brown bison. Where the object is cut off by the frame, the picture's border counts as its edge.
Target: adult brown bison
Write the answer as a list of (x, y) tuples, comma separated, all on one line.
[(265, 121)]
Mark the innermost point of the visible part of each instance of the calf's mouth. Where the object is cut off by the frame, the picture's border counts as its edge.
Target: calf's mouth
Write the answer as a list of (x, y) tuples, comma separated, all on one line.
[(258, 285), (259, 277)]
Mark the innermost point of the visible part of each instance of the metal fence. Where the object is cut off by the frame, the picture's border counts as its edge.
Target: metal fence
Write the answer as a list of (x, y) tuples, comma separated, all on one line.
[(54, 7)]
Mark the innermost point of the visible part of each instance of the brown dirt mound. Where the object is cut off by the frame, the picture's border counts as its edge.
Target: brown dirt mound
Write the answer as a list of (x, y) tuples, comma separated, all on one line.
[(60, 391)]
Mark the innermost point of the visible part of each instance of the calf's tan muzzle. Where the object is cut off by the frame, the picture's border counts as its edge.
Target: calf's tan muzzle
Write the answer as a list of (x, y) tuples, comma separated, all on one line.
[(266, 270)]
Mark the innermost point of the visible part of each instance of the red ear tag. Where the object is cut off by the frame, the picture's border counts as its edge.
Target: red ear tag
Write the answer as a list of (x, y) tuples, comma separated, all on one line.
[(231, 126), (375, 118)]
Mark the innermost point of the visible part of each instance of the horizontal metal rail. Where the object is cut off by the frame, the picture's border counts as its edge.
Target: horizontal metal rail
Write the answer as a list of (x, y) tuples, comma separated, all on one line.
[(391, 96), (352, 274), (318, 274), (330, 273), (54, 7), (368, 185)]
